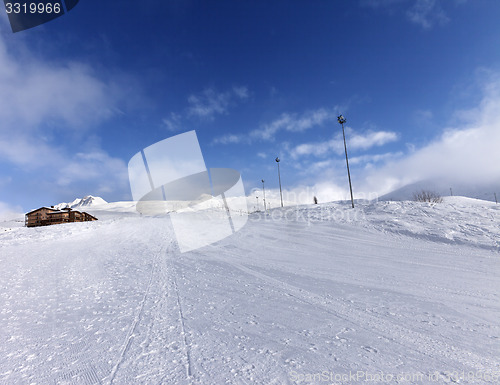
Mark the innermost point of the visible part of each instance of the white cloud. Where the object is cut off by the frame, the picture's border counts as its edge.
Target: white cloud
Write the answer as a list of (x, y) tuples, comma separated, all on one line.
[(26, 152), (371, 139), (467, 152), (229, 139), (369, 160), (316, 149), (286, 122), (356, 141), (41, 103), (61, 95), (91, 170), (8, 212), (427, 13), (94, 172), (319, 166), (93, 165), (423, 117), (209, 103), (66, 94), (295, 123), (173, 122), (241, 92)]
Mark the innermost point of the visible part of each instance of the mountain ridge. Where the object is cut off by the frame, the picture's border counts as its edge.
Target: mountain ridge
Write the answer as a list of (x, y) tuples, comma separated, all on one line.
[(86, 201)]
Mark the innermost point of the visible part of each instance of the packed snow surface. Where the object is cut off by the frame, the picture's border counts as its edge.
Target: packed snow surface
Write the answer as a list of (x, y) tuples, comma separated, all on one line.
[(387, 293)]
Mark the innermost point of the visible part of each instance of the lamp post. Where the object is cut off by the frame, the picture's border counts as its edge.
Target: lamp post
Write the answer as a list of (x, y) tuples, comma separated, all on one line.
[(279, 179), (264, 192), (257, 203), (342, 120)]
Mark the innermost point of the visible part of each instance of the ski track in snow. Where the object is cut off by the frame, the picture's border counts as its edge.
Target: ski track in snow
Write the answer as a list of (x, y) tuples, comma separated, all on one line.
[(395, 289), (133, 327), (183, 326)]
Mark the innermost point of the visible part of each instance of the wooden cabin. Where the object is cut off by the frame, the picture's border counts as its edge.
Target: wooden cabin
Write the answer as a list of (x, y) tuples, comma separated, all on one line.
[(45, 216)]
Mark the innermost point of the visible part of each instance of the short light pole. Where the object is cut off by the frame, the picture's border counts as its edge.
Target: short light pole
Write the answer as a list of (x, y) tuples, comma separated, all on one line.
[(257, 203), (342, 120), (279, 179), (264, 192)]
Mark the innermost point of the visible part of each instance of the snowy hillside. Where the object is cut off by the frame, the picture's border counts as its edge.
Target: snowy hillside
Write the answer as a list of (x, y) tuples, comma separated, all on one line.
[(319, 294), (442, 187)]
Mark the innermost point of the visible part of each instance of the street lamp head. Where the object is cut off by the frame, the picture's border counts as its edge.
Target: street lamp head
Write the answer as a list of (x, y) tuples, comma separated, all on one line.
[(277, 159), (341, 119), (262, 180)]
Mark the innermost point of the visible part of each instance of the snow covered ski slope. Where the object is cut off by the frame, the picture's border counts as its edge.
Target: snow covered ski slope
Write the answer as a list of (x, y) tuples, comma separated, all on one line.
[(387, 293)]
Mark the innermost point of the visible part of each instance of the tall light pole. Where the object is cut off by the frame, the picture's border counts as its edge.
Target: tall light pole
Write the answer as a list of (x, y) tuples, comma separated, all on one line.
[(264, 192), (279, 178), (342, 120)]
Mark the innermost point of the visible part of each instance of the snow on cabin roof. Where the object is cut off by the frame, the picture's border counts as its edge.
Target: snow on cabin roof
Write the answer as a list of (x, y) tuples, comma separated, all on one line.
[(56, 211), (41, 208)]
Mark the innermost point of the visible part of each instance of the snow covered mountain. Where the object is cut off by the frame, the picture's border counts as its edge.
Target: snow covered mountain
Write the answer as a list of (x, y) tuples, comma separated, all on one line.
[(85, 202), (403, 290)]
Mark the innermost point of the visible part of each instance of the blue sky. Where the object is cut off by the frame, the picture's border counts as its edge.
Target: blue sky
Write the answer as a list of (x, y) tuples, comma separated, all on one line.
[(417, 80)]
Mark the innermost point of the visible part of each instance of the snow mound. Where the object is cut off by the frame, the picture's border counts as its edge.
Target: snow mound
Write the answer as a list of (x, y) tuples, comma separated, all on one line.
[(483, 191), (457, 220)]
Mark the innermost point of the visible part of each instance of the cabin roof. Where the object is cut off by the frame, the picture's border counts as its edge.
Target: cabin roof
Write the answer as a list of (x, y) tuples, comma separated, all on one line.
[(41, 208), (55, 211)]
